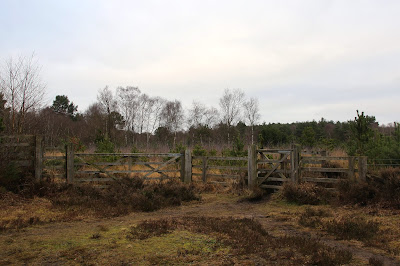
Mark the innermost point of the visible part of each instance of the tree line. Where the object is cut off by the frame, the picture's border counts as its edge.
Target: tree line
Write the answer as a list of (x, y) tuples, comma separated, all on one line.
[(126, 117)]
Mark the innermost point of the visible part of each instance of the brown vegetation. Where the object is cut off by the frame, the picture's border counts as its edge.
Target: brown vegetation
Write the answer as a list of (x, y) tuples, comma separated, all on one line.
[(248, 239)]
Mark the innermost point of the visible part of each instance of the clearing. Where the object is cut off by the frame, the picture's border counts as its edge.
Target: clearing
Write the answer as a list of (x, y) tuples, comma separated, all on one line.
[(179, 236)]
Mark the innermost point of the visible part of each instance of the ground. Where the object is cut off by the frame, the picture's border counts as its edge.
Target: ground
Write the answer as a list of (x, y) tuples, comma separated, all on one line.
[(89, 240)]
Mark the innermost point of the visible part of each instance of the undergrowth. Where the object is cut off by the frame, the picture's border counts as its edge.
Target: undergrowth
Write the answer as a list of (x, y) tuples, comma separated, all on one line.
[(248, 239), (120, 198), (343, 227), (382, 188), (306, 193), (124, 196)]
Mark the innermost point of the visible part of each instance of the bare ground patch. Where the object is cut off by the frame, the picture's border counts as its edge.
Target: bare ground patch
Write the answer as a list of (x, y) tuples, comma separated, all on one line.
[(193, 239)]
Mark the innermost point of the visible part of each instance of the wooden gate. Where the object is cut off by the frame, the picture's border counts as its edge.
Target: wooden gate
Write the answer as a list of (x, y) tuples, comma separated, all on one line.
[(271, 168), (98, 167)]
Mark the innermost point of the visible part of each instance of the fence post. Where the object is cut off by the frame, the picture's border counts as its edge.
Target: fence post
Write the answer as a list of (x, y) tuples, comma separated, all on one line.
[(323, 162), (294, 164), (204, 169), (351, 167), (38, 157), (188, 167), (362, 167), (69, 160), (252, 167), (130, 166), (183, 167)]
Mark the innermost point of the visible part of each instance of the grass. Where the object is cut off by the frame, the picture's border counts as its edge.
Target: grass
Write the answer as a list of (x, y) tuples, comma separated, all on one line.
[(196, 233), (246, 238), (49, 202)]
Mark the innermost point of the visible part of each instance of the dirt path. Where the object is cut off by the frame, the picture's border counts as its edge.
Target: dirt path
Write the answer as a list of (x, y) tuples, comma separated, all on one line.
[(273, 220)]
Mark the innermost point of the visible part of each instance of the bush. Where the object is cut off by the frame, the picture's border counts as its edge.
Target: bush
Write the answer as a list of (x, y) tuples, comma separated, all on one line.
[(356, 192), (199, 151), (312, 217), (350, 227), (247, 238), (11, 177), (306, 193), (105, 146), (121, 197), (382, 189), (179, 148)]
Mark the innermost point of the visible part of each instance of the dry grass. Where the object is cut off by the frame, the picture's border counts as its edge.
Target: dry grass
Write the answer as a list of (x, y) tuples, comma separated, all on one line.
[(200, 233), (246, 238), (60, 202)]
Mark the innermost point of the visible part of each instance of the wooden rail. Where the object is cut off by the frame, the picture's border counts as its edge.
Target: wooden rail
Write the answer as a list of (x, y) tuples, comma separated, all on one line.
[(268, 168)]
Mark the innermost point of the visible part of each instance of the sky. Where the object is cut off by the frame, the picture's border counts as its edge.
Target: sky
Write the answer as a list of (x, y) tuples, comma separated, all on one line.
[(302, 59)]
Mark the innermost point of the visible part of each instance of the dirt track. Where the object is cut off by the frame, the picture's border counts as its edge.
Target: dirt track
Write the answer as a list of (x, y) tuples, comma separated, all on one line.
[(276, 220)]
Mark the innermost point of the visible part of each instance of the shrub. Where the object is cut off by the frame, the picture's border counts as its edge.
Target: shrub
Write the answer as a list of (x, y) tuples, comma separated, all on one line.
[(356, 192), (121, 197), (306, 193), (390, 189), (11, 176), (350, 227), (382, 189), (199, 151), (248, 238), (105, 146), (312, 217), (179, 148), (375, 261)]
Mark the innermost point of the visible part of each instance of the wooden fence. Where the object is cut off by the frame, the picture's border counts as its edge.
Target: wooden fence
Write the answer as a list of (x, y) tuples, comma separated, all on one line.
[(219, 168), (25, 151), (266, 168)]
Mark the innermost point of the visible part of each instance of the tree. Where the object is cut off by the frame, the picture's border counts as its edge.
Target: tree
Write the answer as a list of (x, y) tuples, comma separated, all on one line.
[(308, 137), (172, 117), (24, 91), (152, 116), (251, 111), (361, 133), (2, 112), (94, 118), (128, 101), (62, 105), (211, 117), (230, 104), (196, 114), (108, 106)]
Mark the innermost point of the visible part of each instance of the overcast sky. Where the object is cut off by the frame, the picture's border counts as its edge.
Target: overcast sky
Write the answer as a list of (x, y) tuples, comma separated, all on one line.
[(303, 60)]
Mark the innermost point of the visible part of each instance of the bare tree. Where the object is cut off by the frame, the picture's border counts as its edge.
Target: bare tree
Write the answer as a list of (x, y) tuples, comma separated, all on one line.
[(211, 117), (231, 104), (172, 116), (196, 114), (200, 115), (108, 105), (144, 108), (153, 116), (21, 84), (251, 111), (128, 101)]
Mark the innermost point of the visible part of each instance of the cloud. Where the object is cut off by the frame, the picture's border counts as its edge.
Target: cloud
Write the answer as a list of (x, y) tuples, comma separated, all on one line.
[(302, 59)]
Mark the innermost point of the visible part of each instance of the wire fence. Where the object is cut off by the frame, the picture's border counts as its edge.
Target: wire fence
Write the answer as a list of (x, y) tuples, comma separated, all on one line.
[(383, 163)]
